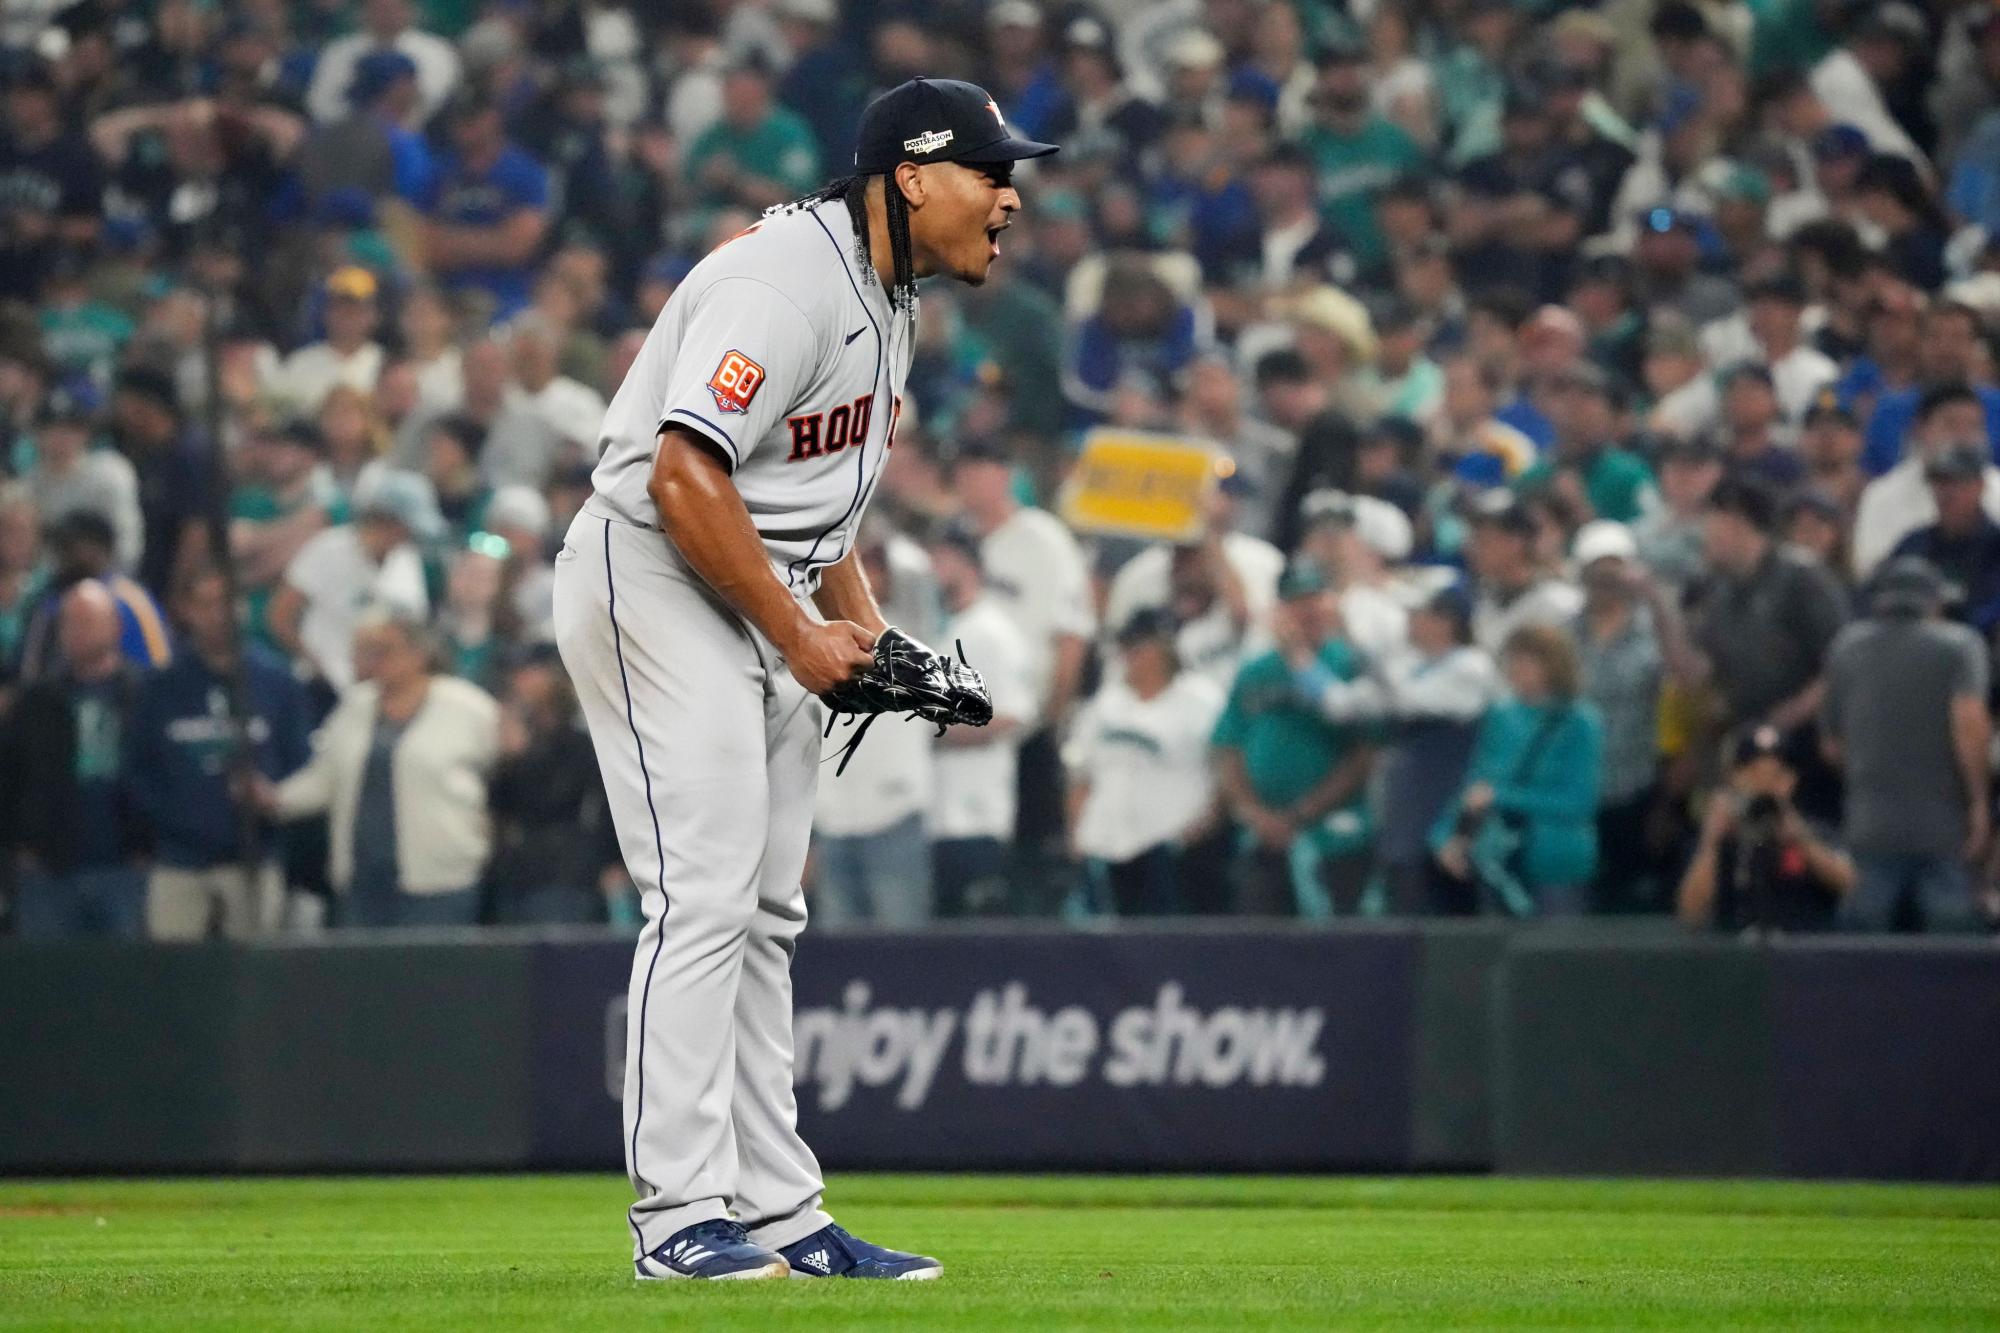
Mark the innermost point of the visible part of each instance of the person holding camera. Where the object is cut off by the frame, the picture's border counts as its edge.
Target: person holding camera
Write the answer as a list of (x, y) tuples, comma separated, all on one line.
[(1521, 837), (1760, 866)]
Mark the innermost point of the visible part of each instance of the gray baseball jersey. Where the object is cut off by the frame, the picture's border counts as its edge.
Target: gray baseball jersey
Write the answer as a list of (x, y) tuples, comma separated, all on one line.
[(781, 348)]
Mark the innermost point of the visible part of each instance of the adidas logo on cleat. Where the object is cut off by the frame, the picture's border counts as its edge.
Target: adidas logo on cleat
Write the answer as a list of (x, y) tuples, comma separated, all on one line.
[(817, 1261), (689, 1253)]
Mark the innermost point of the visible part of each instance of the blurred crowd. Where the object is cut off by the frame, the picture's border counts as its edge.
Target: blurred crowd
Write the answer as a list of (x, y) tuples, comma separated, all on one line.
[(1607, 393)]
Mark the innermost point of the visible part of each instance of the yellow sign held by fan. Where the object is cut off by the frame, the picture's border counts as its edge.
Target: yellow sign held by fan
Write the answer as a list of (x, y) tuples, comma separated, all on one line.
[(1137, 484)]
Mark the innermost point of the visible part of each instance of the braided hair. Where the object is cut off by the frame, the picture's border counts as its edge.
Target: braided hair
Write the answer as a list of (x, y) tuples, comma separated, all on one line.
[(853, 191)]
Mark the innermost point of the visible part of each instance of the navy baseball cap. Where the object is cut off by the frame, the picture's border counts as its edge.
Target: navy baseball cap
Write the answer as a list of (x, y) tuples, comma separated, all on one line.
[(937, 120)]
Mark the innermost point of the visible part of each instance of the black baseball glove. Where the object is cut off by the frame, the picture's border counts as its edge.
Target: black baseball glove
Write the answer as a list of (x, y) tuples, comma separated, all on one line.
[(909, 678)]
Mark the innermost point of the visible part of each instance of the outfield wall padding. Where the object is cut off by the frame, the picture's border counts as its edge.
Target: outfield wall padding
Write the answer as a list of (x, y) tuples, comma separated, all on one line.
[(1192, 1046)]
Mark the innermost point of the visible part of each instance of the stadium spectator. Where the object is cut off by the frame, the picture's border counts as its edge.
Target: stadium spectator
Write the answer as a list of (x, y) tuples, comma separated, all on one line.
[(1514, 588), (1218, 592), (974, 773), (1755, 443), (1035, 571), (1586, 463), (68, 819), (1950, 357), (1141, 789), (573, 412), (1212, 408), (170, 461), (1294, 781), (1768, 617), (1429, 702), (871, 860), (472, 640), (341, 572), (1899, 501), (1906, 718), (70, 476), (520, 448), (1358, 151), (182, 740), (1357, 541), (371, 150), (55, 186), (452, 445), (281, 498), (401, 768), (1830, 446), (520, 517), (1670, 539), (489, 213), (827, 87), (1813, 523), (81, 550), (758, 153), (1964, 544), (1760, 865), (349, 355), (386, 25), (1624, 670), (1521, 837), (426, 325), (554, 851)]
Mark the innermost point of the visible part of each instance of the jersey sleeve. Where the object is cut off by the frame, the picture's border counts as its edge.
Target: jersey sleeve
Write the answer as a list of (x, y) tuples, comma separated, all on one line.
[(746, 356)]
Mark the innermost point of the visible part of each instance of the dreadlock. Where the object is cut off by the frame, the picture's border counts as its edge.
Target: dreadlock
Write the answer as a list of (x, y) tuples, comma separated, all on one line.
[(853, 191)]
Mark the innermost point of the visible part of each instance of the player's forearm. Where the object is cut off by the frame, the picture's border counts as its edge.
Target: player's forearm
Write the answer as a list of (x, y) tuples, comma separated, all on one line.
[(844, 594), (704, 517)]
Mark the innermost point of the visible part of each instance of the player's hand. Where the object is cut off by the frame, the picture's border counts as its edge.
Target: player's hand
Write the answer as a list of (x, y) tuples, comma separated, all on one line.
[(824, 656)]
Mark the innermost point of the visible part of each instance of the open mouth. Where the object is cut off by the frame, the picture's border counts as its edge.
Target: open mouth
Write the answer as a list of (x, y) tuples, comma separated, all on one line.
[(993, 238)]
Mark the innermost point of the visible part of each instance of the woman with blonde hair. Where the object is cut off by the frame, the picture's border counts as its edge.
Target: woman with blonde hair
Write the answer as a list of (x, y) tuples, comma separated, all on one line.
[(1522, 836), (353, 435)]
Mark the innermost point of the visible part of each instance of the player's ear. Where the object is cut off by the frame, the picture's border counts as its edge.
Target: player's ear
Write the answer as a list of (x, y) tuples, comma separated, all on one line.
[(909, 179)]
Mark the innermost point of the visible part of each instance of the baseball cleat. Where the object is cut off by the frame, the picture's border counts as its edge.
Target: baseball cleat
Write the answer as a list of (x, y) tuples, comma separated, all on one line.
[(832, 1252), (715, 1249)]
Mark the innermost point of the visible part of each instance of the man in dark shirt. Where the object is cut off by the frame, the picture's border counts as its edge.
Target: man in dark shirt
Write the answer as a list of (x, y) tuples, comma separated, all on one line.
[(1768, 616), (51, 191), (1964, 544), (1520, 212), (1759, 865), (172, 468), (67, 817), (180, 746), (1753, 440), (1906, 718)]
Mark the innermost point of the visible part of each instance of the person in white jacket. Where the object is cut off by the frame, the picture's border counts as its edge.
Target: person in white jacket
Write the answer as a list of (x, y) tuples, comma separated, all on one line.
[(1141, 786), (401, 766)]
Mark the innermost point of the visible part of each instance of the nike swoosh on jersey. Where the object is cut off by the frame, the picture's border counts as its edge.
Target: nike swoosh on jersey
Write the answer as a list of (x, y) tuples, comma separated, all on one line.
[(856, 334)]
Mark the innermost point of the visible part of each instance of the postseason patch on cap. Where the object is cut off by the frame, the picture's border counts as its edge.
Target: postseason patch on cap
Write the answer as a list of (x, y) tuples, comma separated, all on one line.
[(735, 382), (928, 142)]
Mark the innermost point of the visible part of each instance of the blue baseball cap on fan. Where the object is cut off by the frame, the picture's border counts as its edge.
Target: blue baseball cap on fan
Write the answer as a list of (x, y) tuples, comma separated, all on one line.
[(937, 120)]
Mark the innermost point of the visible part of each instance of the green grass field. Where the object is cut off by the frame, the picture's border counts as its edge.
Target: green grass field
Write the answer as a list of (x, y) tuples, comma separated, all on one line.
[(1020, 1253)]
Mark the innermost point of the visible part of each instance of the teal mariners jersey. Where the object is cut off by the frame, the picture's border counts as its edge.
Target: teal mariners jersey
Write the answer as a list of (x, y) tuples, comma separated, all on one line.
[(782, 350)]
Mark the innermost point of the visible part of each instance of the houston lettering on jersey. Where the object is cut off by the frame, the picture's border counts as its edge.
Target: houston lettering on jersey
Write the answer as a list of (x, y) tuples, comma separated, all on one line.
[(817, 434), (735, 382)]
